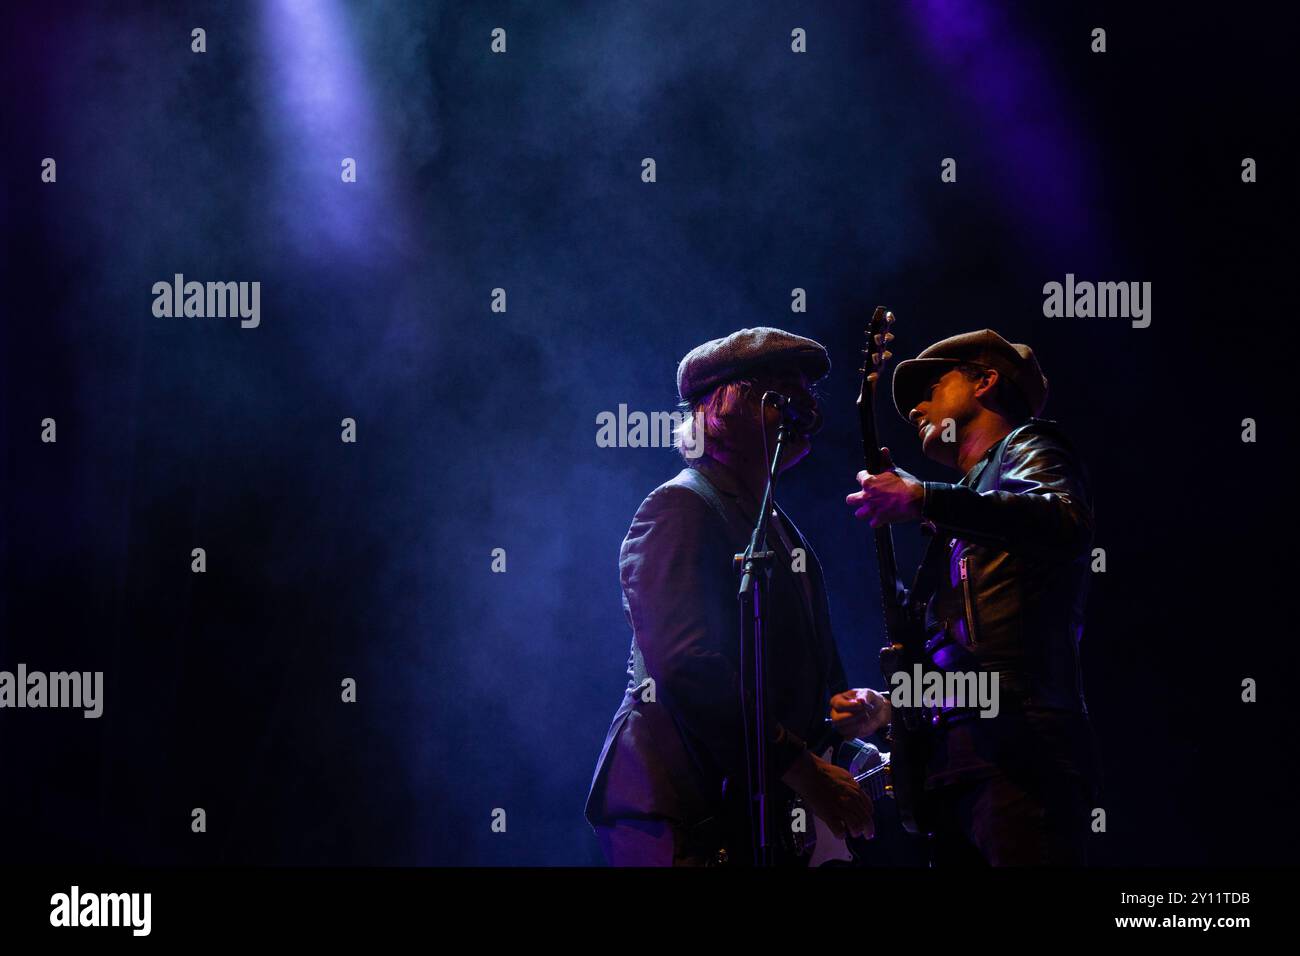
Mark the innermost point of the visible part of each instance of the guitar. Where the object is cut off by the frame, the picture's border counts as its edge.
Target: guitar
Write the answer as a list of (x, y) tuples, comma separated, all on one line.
[(871, 769), (904, 635), (801, 838)]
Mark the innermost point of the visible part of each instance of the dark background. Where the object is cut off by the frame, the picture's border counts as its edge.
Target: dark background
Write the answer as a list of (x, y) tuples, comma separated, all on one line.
[(477, 430)]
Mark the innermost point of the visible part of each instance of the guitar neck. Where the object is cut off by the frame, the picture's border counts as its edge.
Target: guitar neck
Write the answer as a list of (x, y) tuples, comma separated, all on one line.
[(877, 354), (888, 565), (886, 560)]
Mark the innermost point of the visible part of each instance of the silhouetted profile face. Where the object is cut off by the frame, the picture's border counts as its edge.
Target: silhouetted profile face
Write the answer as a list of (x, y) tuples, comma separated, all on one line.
[(793, 384), (950, 395)]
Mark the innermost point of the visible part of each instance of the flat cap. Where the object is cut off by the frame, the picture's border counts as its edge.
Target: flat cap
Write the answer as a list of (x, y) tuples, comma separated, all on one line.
[(707, 366), (1015, 363)]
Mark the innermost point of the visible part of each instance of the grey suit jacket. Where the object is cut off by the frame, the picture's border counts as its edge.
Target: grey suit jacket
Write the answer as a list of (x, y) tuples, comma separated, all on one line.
[(667, 757)]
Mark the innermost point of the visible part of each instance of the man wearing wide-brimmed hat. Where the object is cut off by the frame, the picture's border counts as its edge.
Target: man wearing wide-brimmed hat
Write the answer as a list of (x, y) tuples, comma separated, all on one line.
[(1003, 586)]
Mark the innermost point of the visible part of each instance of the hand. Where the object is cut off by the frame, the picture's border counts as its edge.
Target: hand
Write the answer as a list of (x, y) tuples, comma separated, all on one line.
[(860, 712), (889, 497), (832, 794)]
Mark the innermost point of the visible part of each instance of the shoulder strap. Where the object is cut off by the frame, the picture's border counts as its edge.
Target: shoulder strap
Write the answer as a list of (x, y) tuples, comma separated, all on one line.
[(692, 479), (700, 485)]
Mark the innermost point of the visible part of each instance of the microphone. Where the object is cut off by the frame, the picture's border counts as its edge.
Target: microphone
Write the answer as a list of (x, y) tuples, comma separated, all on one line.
[(804, 421)]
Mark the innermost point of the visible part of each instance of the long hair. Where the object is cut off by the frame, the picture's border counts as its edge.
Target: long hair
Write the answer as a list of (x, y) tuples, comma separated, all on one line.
[(712, 420)]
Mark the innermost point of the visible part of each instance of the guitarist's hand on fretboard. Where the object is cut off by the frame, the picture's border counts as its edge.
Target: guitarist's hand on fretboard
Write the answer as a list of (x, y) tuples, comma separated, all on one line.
[(890, 497)]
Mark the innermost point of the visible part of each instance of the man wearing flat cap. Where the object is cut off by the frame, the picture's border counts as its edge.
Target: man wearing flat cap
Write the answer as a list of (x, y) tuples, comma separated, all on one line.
[(657, 793), (1003, 585)]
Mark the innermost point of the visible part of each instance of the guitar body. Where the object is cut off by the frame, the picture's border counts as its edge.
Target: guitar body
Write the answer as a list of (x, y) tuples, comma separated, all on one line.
[(905, 637), (800, 837), (872, 770)]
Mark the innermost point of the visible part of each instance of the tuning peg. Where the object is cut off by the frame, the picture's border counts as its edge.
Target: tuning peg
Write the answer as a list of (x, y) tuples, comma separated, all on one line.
[(889, 318), (886, 356), (872, 377), (889, 337), (875, 358)]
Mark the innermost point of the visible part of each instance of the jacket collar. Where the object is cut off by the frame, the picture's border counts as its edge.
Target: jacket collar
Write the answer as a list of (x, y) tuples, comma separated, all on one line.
[(728, 483), (977, 469), (725, 480)]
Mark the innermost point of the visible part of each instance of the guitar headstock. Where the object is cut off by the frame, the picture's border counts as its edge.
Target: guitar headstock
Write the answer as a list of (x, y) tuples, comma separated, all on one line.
[(878, 352)]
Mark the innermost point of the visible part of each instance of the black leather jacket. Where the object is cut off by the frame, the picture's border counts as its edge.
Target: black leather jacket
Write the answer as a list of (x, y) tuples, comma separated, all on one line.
[(1016, 534)]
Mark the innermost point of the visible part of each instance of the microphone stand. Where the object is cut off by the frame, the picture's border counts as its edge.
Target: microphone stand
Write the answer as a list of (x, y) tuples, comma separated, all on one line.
[(755, 567)]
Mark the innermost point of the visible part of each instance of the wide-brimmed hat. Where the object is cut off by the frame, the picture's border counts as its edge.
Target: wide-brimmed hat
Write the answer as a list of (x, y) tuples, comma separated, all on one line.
[(1014, 362)]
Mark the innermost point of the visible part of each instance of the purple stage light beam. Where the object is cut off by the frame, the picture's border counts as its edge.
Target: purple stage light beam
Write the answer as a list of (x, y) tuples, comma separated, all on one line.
[(1008, 84), (319, 111)]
